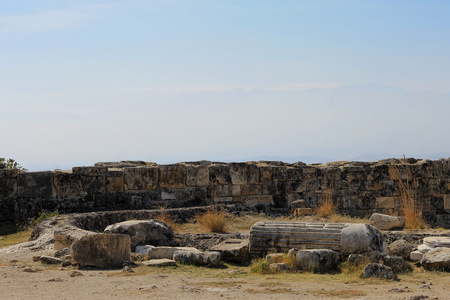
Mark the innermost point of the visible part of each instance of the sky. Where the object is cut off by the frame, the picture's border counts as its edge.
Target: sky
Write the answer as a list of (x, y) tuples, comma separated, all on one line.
[(84, 81)]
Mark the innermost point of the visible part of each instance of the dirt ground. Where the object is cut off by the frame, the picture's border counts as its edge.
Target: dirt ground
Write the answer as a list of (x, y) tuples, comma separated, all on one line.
[(189, 282)]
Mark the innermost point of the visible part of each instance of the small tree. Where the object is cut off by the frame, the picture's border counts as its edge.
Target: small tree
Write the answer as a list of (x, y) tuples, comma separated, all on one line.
[(11, 164)]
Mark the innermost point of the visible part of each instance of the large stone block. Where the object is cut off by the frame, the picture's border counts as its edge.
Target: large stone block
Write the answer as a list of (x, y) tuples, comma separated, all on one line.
[(386, 222), (93, 184), (317, 260), (249, 190), (90, 171), (197, 175), (209, 259), (258, 199), (172, 176), (144, 232), (360, 238), (220, 174), (436, 259), (141, 178), (35, 184), (167, 252), (102, 250), (114, 182), (233, 250), (67, 184), (238, 173), (266, 173)]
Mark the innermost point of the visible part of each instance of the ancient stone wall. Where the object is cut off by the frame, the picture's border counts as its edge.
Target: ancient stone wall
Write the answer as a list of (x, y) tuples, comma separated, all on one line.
[(358, 188)]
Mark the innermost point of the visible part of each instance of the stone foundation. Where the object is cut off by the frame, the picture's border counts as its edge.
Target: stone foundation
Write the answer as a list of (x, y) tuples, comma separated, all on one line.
[(358, 188)]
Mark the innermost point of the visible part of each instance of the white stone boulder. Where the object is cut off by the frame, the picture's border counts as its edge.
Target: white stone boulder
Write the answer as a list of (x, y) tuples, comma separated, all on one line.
[(167, 252), (425, 248), (144, 232), (317, 260), (386, 222), (416, 256), (209, 259), (437, 241), (102, 250), (436, 259), (143, 249), (361, 238)]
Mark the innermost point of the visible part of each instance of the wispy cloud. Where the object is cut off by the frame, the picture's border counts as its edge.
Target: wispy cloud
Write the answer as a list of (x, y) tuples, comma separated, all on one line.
[(43, 21)]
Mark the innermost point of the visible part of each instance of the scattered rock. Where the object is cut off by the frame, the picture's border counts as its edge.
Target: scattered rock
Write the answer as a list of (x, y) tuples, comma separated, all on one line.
[(55, 280), (143, 249), (75, 274), (416, 256), (167, 252), (438, 258), (209, 259), (418, 297), (386, 222), (279, 267), (317, 260), (66, 263), (401, 248), (380, 271), (128, 269), (164, 262), (396, 263), (144, 232), (31, 270), (233, 250), (424, 248), (62, 252), (396, 290), (50, 260), (102, 250), (148, 288)]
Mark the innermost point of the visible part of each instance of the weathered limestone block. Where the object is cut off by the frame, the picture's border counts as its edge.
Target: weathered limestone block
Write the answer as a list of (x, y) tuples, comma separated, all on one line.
[(279, 267), (93, 184), (209, 259), (144, 232), (294, 173), (50, 260), (219, 174), (239, 173), (298, 204), (282, 236), (197, 175), (90, 171), (140, 178), (233, 250), (437, 241), (387, 202), (172, 176), (65, 236), (167, 252), (258, 200), (401, 248), (35, 184), (114, 181), (416, 256), (438, 258), (386, 222), (266, 173), (317, 260), (249, 190), (280, 174), (67, 184), (163, 262), (102, 250)]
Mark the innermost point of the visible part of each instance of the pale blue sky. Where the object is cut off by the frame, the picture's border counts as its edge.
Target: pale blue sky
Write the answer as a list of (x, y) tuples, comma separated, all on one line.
[(86, 80)]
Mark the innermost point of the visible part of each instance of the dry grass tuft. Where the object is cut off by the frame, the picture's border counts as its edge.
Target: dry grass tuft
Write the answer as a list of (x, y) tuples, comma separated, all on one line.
[(214, 220), (326, 207), (407, 188)]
